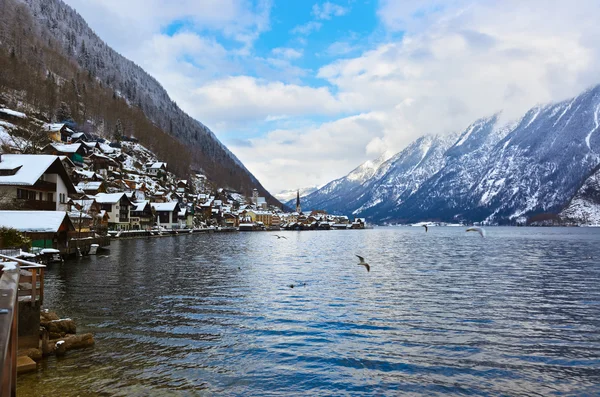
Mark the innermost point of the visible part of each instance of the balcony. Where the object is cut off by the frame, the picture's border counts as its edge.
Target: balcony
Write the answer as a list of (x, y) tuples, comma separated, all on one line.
[(36, 205), (45, 186)]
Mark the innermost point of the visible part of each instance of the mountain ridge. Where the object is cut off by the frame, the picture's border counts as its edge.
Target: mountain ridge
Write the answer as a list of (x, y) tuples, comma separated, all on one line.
[(490, 172)]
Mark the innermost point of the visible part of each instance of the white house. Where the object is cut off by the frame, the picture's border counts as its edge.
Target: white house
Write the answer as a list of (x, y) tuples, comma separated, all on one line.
[(167, 214), (117, 206), (34, 182)]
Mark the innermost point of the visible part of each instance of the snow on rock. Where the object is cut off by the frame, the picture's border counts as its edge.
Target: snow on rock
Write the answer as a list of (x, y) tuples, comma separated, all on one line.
[(584, 208)]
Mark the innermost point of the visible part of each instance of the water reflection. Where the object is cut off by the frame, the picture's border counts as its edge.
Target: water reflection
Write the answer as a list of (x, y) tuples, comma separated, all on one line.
[(442, 313)]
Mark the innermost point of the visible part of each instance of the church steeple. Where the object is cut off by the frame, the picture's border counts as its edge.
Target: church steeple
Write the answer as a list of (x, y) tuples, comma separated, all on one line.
[(298, 208)]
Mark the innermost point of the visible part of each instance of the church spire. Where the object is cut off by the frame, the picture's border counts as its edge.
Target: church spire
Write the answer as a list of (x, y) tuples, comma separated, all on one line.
[(298, 208)]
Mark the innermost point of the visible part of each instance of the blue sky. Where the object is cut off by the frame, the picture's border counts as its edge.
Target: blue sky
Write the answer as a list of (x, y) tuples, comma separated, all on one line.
[(304, 91)]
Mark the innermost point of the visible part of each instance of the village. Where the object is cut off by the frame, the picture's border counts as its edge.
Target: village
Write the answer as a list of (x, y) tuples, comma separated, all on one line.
[(69, 191)]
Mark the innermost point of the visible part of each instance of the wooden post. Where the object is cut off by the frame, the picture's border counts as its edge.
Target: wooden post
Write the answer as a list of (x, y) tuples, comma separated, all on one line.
[(33, 286), (41, 286), (14, 335)]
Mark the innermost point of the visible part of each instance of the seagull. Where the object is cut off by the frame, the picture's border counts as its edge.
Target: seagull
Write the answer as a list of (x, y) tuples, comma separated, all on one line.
[(477, 229), (426, 228), (363, 263), (278, 237)]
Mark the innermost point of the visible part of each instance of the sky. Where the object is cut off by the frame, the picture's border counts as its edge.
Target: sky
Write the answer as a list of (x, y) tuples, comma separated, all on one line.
[(303, 91)]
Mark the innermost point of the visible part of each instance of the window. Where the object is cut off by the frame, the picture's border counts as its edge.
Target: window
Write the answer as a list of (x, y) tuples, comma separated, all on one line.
[(62, 197), (50, 197), (41, 196)]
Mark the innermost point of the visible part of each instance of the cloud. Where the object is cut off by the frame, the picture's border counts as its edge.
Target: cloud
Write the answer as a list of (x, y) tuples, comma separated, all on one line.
[(307, 28), (291, 157), (438, 66), (287, 53), (328, 10), (132, 21)]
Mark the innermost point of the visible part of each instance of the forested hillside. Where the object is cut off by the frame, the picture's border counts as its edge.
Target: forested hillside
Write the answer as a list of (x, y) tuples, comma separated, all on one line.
[(49, 55)]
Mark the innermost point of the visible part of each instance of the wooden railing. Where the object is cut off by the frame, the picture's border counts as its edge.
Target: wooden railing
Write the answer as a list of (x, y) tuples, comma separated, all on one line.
[(31, 282), (9, 283)]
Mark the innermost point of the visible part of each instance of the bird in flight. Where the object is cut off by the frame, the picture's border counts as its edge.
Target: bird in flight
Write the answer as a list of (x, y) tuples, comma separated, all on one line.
[(363, 263), (426, 228), (477, 229), (278, 237)]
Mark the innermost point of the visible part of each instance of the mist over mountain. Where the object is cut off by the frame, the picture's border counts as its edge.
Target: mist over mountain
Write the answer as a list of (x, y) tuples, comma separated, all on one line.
[(490, 172)]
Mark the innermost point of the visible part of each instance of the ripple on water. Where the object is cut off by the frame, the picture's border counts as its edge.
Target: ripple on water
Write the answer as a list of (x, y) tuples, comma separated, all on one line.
[(517, 313)]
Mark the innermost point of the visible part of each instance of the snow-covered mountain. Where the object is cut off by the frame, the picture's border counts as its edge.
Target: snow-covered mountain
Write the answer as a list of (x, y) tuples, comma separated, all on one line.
[(584, 208), (490, 172), (287, 196), (332, 194)]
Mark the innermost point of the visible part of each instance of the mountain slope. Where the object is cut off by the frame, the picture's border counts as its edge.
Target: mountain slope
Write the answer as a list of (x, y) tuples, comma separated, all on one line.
[(584, 208), (490, 172), (333, 194), (49, 34)]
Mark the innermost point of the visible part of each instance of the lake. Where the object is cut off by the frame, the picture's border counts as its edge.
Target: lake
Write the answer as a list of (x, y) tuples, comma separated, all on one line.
[(442, 313)]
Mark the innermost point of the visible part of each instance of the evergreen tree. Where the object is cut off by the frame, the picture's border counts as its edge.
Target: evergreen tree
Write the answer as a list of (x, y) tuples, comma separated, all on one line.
[(63, 113), (118, 134)]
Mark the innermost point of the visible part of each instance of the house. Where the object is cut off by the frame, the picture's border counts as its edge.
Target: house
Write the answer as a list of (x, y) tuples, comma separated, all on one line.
[(186, 217), (34, 182), (82, 221), (141, 217), (79, 137), (167, 214), (87, 206), (75, 151), (231, 220), (46, 229), (183, 187), (85, 176), (103, 164), (57, 131), (155, 169), (117, 206), (91, 187)]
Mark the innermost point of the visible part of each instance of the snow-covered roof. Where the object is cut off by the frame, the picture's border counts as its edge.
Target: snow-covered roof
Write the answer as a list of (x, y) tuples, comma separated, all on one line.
[(165, 206), (109, 198), (55, 127), (89, 185), (158, 165), (32, 221), (66, 148), (77, 135), (13, 113), (87, 174), (107, 148), (85, 204), (30, 167), (75, 215), (139, 206)]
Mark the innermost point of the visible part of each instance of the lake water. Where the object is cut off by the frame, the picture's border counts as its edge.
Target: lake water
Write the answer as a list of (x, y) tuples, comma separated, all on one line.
[(441, 313)]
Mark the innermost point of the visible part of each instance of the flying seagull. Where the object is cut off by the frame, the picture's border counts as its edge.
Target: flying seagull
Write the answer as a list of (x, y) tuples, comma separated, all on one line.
[(363, 263), (278, 237), (477, 229), (426, 228)]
